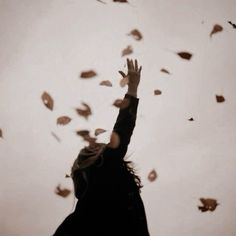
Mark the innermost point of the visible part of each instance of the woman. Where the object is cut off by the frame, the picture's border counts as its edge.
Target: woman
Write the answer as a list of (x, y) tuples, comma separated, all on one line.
[(108, 191)]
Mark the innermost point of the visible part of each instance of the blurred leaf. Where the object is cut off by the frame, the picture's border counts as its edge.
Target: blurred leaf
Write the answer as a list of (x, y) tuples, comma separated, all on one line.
[(128, 50), (136, 34), (85, 134), (209, 204), (56, 137), (67, 176), (185, 55), (88, 74), (191, 119), (86, 112), (114, 140), (63, 120), (106, 83), (120, 1), (121, 103), (47, 100), (157, 92), (165, 71), (234, 25), (220, 98), (124, 81), (1, 136), (152, 175), (216, 28), (101, 1), (99, 131), (62, 192)]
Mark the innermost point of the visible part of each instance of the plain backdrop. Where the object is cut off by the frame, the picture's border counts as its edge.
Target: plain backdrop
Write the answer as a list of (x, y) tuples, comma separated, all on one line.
[(46, 44)]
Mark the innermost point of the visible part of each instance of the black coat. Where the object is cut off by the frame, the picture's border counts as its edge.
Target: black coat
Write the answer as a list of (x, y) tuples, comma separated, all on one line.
[(112, 205)]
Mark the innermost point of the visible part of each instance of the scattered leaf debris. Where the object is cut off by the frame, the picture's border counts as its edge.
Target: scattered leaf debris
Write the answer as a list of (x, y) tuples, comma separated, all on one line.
[(220, 98), (185, 55), (165, 71), (86, 112), (234, 25), (216, 28), (121, 103), (99, 131), (55, 136), (114, 140), (62, 192), (63, 120), (152, 175), (209, 204), (85, 134), (88, 74), (47, 100), (127, 51), (136, 34), (106, 83), (157, 92)]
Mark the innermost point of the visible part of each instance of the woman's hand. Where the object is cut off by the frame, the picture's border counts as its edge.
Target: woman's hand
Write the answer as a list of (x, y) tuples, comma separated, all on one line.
[(133, 76)]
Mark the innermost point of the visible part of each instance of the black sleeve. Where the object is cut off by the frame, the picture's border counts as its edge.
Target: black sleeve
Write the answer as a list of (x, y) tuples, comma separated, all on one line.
[(125, 124)]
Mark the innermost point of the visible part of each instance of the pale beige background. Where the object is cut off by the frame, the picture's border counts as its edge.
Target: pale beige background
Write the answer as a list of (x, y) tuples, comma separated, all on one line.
[(45, 44)]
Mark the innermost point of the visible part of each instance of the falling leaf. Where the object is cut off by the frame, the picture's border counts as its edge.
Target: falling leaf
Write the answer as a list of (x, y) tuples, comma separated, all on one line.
[(114, 140), (99, 131), (136, 34), (209, 204), (121, 103), (157, 92), (101, 1), (88, 74), (128, 50), (152, 175), (85, 134), (62, 192), (56, 137), (165, 71), (234, 25), (216, 28), (120, 1), (185, 55), (86, 112), (47, 100), (1, 136), (63, 120), (124, 81), (220, 98), (191, 119), (67, 176), (106, 83)]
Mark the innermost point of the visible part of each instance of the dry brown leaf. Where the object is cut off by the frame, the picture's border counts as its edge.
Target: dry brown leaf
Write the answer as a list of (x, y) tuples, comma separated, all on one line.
[(124, 81), (185, 55), (47, 100), (128, 50), (220, 98), (85, 134), (152, 175), (1, 136), (216, 28), (114, 140), (136, 34), (86, 112), (231, 23), (106, 83), (165, 71), (157, 92), (88, 74), (121, 103), (62, 192), (56, 137), (209, 204), (99, 131), (120, 1), (63, 120)]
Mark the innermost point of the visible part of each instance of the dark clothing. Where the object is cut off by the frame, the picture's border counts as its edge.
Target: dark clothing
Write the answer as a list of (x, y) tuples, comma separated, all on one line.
[(111, 205)]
